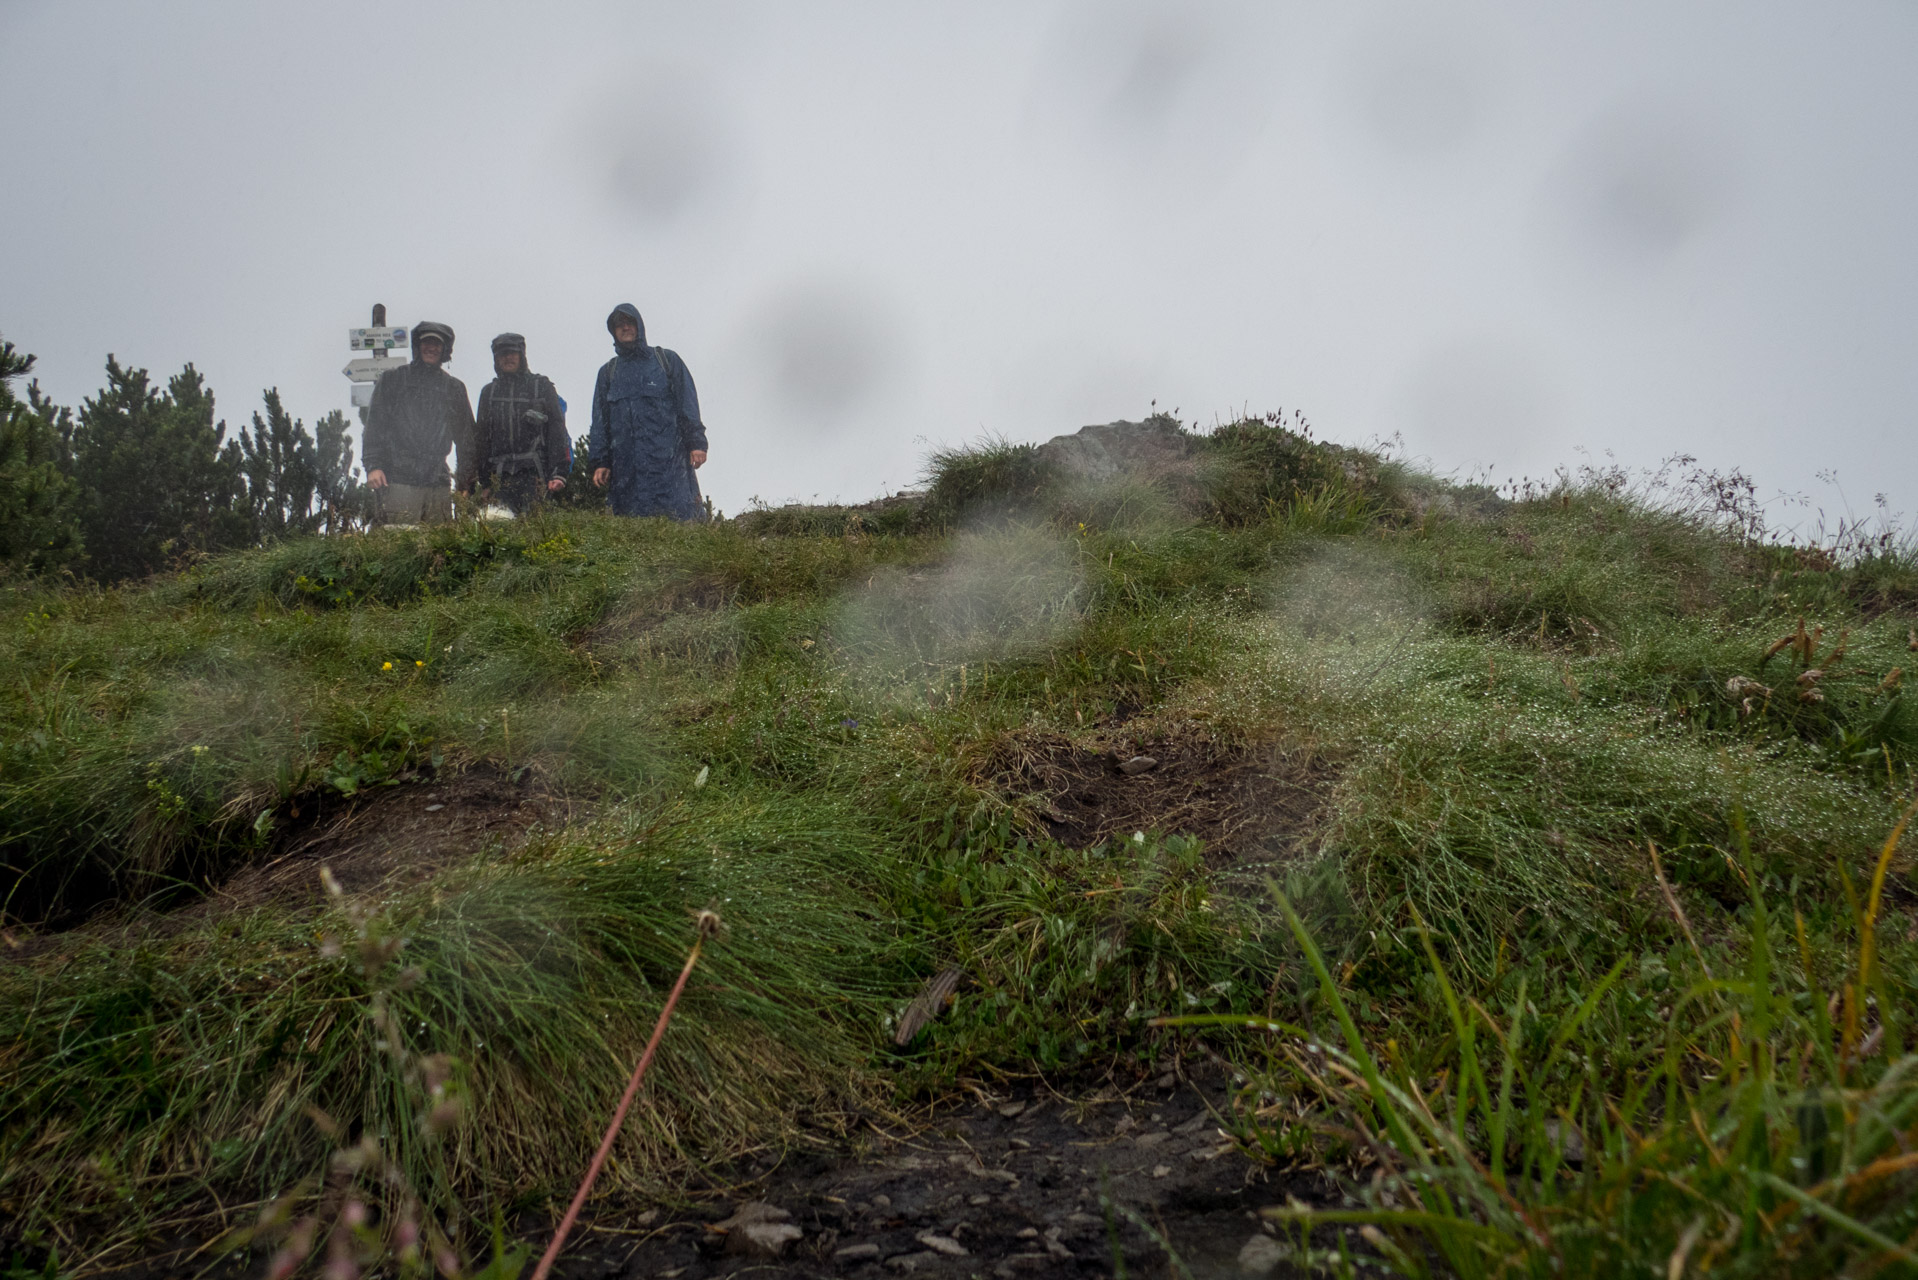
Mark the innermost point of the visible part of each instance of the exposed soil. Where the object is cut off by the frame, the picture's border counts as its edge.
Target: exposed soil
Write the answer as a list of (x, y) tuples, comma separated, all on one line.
[(1025, 1182), (1252, 806), (389, 837), (381, 838), (1019, 1182), (1011, 1183)]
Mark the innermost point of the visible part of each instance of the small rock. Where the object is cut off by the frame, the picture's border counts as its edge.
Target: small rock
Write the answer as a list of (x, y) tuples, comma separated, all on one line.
[(1570, 1141), (759, 1230), (912, 1261), (882, 1202), (1011, 1109), (1160, 1170), (942, 1244), (434, 808), (1028, 1233), (1260, 1255), (1139, 764), (976, 1201), (1021, 1143), (753, 1211), (1193, 1125), (1125, 1122), (1151, 1139), (1167, 1080), (856, 1252), (762, 1239)]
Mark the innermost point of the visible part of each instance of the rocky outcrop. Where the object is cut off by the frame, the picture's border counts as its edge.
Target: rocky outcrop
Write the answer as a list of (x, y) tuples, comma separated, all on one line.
[(1111, 450)]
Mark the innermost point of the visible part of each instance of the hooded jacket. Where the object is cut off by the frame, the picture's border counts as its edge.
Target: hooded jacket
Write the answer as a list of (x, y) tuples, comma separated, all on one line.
[(645, 426), (419, 413), (506, 444)]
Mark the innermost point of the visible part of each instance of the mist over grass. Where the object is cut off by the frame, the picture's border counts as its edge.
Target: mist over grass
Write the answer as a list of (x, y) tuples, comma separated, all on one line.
[(1515, 703)]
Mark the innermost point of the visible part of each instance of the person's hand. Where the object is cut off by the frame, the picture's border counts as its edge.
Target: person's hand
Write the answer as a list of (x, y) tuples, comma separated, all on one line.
[(556, 484), (600, 476), (376, 479), (699, 458)]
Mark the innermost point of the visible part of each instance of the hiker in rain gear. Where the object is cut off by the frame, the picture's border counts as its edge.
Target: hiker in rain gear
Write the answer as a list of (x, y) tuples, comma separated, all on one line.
[(647, 439), (520, 439), (419, 412)]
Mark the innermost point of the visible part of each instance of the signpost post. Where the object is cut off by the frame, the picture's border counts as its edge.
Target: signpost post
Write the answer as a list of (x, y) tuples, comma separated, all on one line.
[(380, 339)]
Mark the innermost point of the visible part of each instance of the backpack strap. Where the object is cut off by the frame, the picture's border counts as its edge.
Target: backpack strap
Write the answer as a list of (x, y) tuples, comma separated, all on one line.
[(666, 367)]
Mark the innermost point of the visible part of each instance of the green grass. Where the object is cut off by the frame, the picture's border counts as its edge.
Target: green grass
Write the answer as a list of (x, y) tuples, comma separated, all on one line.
[(1669, 1120), (786, 718)]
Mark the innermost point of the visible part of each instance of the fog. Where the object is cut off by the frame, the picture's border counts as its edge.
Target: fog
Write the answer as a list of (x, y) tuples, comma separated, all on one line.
[(1499, 233)]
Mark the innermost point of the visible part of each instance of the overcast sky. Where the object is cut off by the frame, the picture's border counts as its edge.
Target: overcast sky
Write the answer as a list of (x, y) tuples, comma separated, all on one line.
[(1501, 232)]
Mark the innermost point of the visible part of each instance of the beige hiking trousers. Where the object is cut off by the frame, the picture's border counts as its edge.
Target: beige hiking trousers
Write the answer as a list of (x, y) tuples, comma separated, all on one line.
[(415, 504)]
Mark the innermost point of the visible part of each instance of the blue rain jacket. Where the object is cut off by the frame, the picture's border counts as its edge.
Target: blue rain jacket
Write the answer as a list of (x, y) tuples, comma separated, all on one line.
[(645, 426)]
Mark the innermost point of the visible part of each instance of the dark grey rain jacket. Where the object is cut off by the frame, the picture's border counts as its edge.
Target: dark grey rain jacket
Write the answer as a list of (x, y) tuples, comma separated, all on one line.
[(420, 413), (508, 445)]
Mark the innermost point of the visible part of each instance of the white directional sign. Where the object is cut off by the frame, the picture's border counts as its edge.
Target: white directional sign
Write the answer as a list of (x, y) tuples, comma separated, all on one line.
[(362, 393), (369, 369), (383, 338)]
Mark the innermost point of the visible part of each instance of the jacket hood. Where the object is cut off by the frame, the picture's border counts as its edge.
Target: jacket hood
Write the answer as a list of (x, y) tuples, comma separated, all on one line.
[(433, 328), (512, 342), (631, 312)]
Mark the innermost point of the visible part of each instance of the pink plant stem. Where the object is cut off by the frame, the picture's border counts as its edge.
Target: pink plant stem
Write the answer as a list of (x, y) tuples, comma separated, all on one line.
[(619, 1118)]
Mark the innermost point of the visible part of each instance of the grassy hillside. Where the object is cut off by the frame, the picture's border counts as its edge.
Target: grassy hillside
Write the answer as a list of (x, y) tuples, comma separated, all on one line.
[(1581, 798)]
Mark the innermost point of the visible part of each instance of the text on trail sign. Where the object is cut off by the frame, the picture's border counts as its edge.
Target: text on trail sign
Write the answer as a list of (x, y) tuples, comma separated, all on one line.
[(383, 338), (369, 370)]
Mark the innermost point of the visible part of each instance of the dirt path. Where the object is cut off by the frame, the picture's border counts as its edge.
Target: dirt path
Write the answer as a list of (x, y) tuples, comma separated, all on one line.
[(1027, 1184)]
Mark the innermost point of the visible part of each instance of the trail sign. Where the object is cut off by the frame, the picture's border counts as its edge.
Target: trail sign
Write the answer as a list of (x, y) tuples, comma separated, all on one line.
[(369, 369), (380, 338)]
